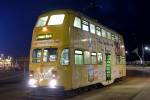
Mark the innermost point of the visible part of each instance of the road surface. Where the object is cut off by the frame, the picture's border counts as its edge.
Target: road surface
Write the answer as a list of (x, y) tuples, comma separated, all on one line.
[(136, 86)]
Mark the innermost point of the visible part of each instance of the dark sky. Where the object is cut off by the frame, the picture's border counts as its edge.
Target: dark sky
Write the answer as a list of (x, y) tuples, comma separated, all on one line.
[(17, 18)]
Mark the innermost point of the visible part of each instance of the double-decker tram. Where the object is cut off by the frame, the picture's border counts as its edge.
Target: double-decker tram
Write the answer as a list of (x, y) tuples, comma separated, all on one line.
[(70, 50)]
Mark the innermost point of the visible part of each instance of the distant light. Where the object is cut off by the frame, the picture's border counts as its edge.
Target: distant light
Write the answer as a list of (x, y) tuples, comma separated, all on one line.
[(126, 52)]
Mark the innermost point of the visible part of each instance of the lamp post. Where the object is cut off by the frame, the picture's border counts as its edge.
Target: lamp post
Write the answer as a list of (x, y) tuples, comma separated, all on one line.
[(144, 48)]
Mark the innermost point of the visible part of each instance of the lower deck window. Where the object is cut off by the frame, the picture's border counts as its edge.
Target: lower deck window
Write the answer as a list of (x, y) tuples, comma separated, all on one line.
[(78, 57), (65, 57), (100, 58), (93, 58), (49, 54), (36, 55), (87, 57)]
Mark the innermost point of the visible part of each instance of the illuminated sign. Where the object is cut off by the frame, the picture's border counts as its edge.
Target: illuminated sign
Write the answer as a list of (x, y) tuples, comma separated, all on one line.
[(46, 43), (43, 36)]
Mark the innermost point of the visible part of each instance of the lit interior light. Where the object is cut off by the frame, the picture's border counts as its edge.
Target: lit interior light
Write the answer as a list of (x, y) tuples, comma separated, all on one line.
[(44, 29)]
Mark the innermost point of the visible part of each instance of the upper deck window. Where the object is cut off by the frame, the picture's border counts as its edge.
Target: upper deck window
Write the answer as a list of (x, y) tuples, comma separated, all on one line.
[(98, 31), (113, 37), (108, 35), (56, 19), (116, 38), (77, 22), (92, 28), (103, 33), (85, 25), (42, 21)]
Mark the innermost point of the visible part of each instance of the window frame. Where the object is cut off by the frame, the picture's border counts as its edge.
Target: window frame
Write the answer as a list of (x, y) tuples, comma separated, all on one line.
[(56, 24), (94, 30), (108, 35), (45, 21), (48, 54), (84, 57), (104, 31), (37, 58), (95, 59), (112, 37), (98, 29), (98, 57), (68, 57), (80, 22), (86, 23), (79, 54)]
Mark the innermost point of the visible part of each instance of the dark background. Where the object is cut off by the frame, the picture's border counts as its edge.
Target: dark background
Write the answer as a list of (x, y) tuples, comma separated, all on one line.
[(128, 17)]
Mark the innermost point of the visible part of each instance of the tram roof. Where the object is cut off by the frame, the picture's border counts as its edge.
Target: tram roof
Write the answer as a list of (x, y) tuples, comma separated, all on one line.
[(80, 14)]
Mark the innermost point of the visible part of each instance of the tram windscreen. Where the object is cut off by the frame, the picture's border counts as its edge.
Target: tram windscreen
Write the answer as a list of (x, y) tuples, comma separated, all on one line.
[(49, 54)]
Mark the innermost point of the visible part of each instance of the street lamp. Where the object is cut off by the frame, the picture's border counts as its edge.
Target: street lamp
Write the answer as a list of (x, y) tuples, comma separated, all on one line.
[(126, 52), (146, 48)]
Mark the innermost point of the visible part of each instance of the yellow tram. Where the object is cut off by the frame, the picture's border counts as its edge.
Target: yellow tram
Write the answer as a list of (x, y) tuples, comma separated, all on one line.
[(71, 50)]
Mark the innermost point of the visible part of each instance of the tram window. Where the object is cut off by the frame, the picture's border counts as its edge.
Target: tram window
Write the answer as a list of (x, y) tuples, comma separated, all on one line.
[(116, 38), (92, 28), (108, 35), (85, 25), (78, 57), (119, 40), (56, 19), (42, 21), (113, 37), (118, 59), (65, 57), (93, 58), (98, 31), (103, 33), (123, 60), (77, 22), (100, 58), (36, 55), (87, 57), (49, 54)]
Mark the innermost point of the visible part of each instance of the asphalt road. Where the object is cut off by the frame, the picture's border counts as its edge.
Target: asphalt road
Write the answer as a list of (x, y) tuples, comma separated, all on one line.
[(136, 86)]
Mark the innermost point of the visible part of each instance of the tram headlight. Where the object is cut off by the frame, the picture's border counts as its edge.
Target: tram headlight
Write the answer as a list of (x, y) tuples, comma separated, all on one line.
[(32, 82), (53, 83)]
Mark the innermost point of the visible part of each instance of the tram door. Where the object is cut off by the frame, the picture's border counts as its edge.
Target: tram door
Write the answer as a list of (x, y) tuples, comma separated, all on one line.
[(108, 66)]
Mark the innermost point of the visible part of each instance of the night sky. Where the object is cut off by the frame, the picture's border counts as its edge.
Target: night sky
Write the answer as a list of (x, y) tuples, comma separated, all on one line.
[(17, 18)]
